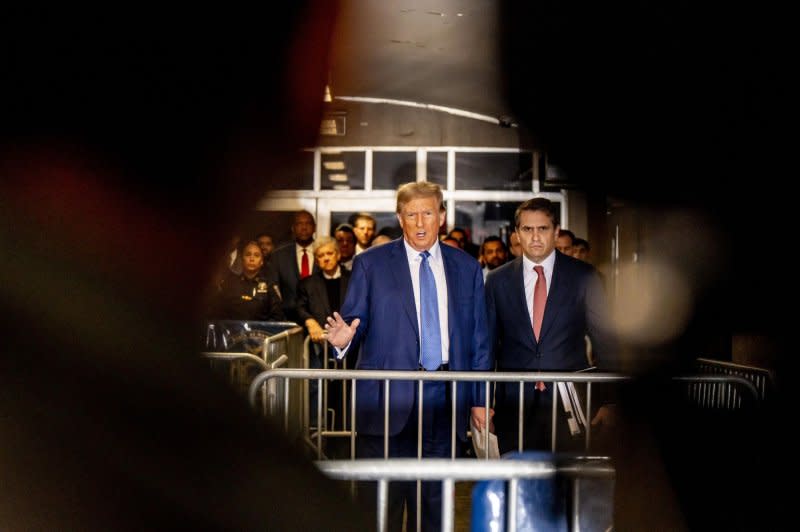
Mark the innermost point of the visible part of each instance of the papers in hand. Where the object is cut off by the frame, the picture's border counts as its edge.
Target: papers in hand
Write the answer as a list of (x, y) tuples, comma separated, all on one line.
[(479, 442), (572, 407)]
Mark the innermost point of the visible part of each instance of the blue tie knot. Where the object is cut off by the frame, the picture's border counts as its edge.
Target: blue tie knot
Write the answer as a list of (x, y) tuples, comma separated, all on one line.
[(429, 316)]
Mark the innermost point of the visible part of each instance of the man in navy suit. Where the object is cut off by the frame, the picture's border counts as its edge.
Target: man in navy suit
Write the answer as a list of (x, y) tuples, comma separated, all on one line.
[(384, 312), (575, 306)]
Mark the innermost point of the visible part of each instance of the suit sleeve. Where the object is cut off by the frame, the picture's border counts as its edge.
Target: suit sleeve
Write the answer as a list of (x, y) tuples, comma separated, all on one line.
[(481, 354), (303, 302), (356, 301)]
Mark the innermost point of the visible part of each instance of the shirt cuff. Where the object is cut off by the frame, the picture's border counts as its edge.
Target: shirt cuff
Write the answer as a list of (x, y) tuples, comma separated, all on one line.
[(340, 353)]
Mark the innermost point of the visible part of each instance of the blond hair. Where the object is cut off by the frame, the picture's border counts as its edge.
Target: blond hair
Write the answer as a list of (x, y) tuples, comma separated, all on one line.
[(418, 189)]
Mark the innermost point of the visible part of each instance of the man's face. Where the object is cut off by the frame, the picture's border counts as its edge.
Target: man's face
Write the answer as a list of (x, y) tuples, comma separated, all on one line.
[(303, 227), (420, 220), (460, 237), (537, 235), (364, 230), (265, 243), (327, 258), (564, 244), (347, 245), (580, 252), (494, 254)]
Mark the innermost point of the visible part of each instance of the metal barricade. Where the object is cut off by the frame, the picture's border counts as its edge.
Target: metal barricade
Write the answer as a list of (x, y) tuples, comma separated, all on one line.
[(452, 469), (333, 408), (723, 396), (263, 345), (743, 386), (720, 391), (454, 377), (449, 471)]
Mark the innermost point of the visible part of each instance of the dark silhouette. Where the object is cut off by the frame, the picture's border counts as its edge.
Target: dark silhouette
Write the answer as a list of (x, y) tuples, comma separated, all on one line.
[(127, 141)]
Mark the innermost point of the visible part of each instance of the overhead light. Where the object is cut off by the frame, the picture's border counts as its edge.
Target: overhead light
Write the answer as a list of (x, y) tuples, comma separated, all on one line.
[(334, 123), (341, 187), (333, 165), (327, 96), (340, 178)]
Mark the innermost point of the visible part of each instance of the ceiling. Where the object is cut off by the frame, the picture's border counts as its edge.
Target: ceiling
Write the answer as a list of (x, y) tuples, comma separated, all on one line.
[(443, 52), (628, 95)]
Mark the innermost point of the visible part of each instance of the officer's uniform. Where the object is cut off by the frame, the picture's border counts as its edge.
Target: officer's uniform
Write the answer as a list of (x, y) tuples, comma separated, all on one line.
[(240, 298)]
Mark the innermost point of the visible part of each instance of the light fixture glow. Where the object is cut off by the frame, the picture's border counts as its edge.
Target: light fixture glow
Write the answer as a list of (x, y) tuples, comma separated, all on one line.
[(333, 165), (339, 178)]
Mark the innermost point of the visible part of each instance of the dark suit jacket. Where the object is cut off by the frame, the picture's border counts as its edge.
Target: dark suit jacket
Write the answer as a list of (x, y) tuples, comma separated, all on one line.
[(312, 296), (284, 263), (381, 295), (576, 306)]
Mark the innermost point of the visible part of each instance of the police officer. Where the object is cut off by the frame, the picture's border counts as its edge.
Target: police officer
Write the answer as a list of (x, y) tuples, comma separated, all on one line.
[(251, 295)]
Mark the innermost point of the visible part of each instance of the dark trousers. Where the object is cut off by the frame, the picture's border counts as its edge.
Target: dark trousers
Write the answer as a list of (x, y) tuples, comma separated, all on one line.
[(537, 420), (435, 443)]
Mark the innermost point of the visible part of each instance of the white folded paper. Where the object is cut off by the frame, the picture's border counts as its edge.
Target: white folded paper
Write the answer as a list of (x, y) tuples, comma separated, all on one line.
[(479, 442)]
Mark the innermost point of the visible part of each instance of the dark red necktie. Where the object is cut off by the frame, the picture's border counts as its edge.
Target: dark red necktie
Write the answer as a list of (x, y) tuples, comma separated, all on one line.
[(305, 270), (539, 300)]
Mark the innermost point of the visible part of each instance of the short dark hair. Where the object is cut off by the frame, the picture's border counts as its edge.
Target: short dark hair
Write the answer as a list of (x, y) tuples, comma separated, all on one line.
[(494, 238), (537, 204), (567, 232)]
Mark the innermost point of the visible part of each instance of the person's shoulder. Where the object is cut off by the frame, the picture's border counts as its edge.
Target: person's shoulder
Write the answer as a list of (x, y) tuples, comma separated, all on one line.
[(286, 247), (387, 251), (458, 255), (503, 271), (574, 266), (282, 255)]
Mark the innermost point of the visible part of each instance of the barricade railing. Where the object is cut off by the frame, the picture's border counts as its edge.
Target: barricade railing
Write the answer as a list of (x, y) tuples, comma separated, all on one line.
[(263, 345), (293, 425), (449, 471), (325, 426), (724, 397), (454, 377)]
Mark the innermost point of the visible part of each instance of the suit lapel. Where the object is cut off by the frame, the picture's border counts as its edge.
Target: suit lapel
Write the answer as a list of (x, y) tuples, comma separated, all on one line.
[(401, 274), (519, 305), (450, 274)]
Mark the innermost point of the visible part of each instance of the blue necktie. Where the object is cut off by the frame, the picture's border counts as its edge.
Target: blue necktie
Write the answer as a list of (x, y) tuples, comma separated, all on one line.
[(429, 314)]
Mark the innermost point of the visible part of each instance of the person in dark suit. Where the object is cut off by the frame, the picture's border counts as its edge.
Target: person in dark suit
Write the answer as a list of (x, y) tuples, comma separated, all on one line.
[(317, 297), (289, 261), (385, 315), (575, 306)]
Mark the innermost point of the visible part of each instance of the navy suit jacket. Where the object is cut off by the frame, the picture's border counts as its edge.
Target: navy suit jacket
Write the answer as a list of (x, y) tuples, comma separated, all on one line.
[(381, 295), (576, 306), (284, 263)]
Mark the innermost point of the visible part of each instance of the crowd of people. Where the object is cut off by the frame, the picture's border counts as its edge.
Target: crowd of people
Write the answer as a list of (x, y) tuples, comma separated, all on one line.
[(469, 307)]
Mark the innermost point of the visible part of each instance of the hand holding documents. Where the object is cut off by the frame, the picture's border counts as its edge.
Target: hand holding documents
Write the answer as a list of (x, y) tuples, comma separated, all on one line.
[(572, 407), (479, 442)]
